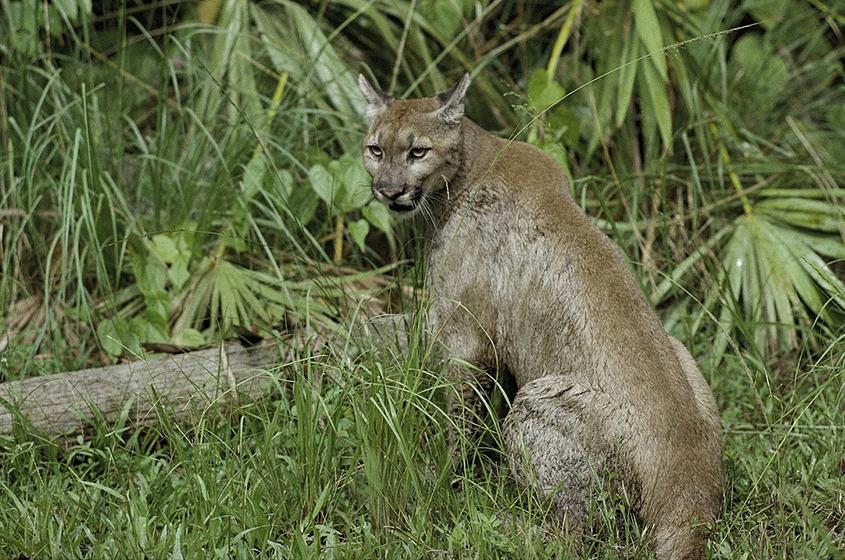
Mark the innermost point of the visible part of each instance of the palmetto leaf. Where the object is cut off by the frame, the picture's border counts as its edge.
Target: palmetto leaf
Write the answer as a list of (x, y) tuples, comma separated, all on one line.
[(774, 276), (224, 294), (819, 215)]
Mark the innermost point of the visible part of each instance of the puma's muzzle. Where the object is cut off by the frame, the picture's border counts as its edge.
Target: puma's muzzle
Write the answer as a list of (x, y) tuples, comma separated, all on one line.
[(399, 198)]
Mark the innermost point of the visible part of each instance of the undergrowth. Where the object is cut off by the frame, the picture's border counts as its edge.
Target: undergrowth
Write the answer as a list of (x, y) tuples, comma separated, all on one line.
[(184, 172)]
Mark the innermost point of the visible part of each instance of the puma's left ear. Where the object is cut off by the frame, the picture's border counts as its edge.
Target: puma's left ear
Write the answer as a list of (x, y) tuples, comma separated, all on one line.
[(376, 100), (452, 101)]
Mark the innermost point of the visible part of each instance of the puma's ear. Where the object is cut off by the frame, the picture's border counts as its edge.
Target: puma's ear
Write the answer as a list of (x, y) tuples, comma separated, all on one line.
[(452, 101), (376, 100)]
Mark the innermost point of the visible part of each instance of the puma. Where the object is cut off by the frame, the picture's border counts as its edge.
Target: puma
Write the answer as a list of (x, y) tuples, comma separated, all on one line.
[(520, 280)]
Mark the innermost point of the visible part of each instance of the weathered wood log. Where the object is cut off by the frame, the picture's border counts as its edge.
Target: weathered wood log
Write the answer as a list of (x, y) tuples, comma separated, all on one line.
[(65, 403)]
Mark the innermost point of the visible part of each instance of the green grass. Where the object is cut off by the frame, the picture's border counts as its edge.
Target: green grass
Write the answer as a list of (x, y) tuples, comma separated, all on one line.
[(346, 459), (168, 174)]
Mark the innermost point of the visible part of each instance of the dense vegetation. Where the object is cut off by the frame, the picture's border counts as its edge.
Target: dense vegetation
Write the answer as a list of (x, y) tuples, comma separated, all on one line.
[(179, 172)]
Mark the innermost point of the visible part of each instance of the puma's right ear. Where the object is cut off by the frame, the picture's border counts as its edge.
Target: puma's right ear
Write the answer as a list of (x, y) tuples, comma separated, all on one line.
[(376, 100), (452, 101)]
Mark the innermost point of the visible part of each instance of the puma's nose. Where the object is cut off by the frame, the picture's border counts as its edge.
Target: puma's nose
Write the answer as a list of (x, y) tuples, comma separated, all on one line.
[(390, 191), (392, 194)]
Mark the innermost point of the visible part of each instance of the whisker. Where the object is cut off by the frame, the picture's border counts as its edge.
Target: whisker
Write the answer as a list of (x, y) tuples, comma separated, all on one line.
[(426, 210)]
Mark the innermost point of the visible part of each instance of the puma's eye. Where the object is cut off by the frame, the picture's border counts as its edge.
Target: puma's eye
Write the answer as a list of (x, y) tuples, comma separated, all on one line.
[(419, 153), (375, 151)]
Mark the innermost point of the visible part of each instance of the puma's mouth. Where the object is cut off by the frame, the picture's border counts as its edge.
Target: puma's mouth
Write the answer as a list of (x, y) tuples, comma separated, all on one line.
[(402, 208), (405, 204)]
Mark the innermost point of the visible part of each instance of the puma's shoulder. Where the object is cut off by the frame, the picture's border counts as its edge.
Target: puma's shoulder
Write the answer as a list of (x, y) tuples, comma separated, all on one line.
[(533, 172), (517, 171)]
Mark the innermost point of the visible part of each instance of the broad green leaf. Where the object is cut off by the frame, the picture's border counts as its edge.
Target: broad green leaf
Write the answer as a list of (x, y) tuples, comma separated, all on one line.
[(157, 309), (117, 338), (325, 185), (253, 178), (649, 32), (69, 7), (55, 21), (564, 124), (558, 153), (768, 12), (359, 230), (356, 182), (189, 338), (165, 248), (658, 103), (284, 183), (150, 275), (749, 53), (149, 329), (23, 19), (178, 274), (446, 15), (629, 62), (542, 91), (752, 58), (109, 337), (303, 202), (378, 215), (648, 123)]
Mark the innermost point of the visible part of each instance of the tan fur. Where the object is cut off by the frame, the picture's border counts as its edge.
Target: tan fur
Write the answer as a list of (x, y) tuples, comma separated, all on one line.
[(521, 280)]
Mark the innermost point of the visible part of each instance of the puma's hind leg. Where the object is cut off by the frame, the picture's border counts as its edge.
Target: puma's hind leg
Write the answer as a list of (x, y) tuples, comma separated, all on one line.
[(560, 442), (554, 447)]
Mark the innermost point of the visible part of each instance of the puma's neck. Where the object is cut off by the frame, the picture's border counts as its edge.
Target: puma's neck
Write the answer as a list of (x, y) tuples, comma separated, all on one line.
[(477, 153)]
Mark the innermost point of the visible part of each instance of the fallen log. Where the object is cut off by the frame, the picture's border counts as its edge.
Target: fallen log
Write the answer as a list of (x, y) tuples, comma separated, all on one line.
[(65, 403)]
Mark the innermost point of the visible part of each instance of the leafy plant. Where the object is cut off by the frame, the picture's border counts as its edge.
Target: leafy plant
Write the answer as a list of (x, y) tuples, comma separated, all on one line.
[(344, 188), (237, 126), (773, 274)]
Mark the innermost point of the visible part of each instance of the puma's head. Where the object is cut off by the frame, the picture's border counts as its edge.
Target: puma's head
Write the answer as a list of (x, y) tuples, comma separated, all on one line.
[(414, 146)]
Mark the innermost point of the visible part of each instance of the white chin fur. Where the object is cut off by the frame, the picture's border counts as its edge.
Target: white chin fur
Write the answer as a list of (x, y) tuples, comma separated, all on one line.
[(405, 199)]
